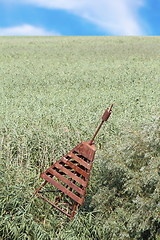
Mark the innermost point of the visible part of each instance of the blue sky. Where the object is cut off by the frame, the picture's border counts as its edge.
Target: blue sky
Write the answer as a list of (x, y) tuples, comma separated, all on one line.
[(79, 17)]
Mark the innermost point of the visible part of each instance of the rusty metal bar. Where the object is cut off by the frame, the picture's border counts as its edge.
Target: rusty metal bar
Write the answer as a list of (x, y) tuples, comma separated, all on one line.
[(70, 174), (76, 168), (53, 204), (42, 185), (64, 189), (105, 117), (66, 181), (79, 160)]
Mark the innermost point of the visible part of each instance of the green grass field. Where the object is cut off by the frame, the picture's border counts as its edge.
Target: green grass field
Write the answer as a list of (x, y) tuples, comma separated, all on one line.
[(53, 93)]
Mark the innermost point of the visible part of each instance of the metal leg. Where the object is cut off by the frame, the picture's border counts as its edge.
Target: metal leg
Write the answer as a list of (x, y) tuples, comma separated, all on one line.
[(75, 207), (43, 184)]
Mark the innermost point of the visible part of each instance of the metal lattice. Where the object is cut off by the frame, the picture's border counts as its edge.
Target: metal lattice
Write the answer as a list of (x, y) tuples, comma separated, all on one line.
[(67, 179)]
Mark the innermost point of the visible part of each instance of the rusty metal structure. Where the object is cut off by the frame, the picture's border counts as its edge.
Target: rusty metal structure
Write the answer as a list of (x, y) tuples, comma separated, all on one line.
[(67, 179)]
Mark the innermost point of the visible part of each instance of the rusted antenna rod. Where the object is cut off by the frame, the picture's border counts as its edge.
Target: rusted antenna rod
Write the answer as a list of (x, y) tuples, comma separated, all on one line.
[(104, 118)]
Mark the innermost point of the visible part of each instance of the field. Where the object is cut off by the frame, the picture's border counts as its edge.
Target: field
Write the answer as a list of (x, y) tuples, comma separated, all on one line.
[(54, 91)]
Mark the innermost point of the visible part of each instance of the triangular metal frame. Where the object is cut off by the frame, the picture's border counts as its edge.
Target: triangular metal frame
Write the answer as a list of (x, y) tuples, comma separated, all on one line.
[(68, 178)]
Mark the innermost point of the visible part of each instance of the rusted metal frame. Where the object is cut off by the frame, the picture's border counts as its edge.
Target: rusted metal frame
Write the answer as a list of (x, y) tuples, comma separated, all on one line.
[(83, 158), (79, 160), (70, 174), (42, 185), (92, 149), (73, 212), (66, 202), (86, 150), (37, 192), (87, 170), (66, 181), (75, 205), (53, 204), (63, 189), (76, 168)]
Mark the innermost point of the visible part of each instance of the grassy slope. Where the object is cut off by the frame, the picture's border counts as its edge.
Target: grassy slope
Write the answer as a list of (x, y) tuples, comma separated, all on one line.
[(54, 91)]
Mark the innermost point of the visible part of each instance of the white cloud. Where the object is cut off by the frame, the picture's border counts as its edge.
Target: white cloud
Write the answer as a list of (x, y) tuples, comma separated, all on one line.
[(62, 4), (119, 17), (25, 30)]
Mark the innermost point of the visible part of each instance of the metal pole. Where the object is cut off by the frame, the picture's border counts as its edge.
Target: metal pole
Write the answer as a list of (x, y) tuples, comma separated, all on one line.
[(105, 117)]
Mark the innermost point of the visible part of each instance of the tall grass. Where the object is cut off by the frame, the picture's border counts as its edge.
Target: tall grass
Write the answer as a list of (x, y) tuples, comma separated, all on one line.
[(54, 91)]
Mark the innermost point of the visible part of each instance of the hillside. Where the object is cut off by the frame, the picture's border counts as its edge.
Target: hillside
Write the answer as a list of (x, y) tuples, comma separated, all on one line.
[(53, 93)]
